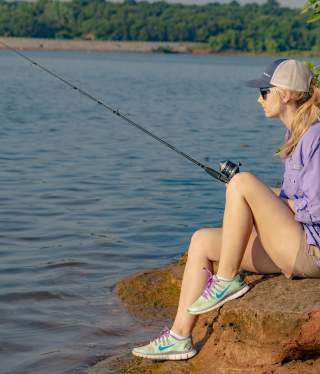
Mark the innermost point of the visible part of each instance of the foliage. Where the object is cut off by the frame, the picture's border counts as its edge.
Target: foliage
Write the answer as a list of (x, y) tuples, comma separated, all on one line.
[(315, 71), (248, 28), (314, 7)]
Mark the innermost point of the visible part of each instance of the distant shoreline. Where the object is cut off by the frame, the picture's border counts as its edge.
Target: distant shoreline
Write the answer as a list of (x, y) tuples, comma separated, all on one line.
[(132, 47), (99, 46)]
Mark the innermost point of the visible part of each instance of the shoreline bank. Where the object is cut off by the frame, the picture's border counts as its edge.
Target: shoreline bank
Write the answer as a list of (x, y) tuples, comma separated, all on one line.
[(108, 46), (97, 46)]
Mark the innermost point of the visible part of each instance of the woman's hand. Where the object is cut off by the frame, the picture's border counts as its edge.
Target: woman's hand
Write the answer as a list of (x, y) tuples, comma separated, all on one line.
[(288, 202), (276, 190)]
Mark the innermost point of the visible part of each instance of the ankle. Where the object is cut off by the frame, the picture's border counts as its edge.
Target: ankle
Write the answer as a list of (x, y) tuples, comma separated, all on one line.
[(180, 332), (226, 276)]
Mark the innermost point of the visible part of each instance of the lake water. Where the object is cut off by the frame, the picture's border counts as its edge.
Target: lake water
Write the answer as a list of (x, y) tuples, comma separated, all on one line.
[(86, 199)]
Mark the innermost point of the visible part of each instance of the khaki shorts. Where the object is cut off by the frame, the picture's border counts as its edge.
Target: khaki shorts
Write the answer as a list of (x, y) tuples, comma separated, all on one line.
[(307, 264)]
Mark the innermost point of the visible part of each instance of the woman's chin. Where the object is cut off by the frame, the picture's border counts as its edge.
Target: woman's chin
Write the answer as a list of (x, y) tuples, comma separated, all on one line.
[(269, 115)]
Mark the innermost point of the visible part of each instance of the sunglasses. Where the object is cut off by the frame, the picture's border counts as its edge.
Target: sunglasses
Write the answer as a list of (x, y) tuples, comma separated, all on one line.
[(264, 92)]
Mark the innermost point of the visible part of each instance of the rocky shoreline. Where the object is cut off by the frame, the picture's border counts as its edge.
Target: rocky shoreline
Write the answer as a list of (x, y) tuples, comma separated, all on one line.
[(274, 328)]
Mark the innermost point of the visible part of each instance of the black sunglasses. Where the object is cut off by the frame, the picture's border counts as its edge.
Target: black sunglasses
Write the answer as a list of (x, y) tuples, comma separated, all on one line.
[(264, 92)]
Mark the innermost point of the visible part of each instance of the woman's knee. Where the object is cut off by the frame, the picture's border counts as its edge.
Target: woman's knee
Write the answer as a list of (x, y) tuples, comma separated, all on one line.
[(204, 241), (196, 241), (240, 182)]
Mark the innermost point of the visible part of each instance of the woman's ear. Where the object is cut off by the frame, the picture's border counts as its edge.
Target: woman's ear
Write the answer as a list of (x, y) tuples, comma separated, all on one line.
[(285, 96)]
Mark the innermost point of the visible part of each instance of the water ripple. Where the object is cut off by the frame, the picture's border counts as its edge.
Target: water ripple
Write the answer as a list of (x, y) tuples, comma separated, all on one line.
[(33, 295)]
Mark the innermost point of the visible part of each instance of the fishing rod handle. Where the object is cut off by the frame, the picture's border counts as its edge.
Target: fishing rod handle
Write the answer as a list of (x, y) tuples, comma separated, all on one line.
[(227, 170), (215, 174)]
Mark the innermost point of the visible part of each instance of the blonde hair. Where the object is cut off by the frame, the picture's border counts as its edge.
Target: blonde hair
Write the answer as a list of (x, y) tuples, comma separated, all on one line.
[(307, 114)]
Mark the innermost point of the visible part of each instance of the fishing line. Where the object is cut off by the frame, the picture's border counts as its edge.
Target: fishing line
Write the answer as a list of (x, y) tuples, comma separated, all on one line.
[(227, 168)]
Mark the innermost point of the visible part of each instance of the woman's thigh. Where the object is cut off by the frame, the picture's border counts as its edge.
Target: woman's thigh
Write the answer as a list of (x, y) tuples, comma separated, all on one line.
[(275, 241), (277, 230), (255, 258)]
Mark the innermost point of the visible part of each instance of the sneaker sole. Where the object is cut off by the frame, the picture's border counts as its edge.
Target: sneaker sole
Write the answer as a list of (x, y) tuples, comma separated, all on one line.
[(175, 356), (228, 298)]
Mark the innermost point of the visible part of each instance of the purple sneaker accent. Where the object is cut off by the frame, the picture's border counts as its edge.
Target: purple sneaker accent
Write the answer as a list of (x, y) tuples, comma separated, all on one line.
[(211, 281), (164, 333)]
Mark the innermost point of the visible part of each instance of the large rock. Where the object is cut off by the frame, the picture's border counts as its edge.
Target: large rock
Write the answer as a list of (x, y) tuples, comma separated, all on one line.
[(274, 328)]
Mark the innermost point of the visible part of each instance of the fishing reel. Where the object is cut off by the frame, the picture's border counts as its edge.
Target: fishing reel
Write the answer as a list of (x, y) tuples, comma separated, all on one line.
[(229, 169)]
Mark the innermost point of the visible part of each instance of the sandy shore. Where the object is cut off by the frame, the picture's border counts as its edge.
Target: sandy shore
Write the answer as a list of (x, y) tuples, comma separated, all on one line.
[(97, 46), (134, 47)]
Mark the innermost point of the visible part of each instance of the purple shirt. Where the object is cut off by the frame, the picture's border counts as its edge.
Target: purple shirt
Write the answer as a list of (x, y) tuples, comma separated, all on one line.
[(301, 182)]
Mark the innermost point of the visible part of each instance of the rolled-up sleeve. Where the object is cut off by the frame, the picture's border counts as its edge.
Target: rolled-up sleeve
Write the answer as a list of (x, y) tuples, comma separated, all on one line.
[(307, 200)]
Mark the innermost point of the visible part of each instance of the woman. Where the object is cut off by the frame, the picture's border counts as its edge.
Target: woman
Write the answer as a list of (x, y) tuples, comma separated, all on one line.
[(264, 230)]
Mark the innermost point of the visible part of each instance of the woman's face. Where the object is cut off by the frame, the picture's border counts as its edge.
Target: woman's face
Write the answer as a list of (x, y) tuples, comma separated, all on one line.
[(270, 101)]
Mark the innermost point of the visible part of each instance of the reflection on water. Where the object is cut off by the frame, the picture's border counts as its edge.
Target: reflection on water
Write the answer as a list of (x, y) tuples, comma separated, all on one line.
[(86, 200)]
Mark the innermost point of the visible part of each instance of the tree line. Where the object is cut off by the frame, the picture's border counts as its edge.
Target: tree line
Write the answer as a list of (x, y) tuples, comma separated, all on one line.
[(247, 28)]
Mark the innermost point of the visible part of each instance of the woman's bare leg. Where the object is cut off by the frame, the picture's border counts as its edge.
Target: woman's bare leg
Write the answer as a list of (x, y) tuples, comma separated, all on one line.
[(203, 242), (204, 248), (249, 202)]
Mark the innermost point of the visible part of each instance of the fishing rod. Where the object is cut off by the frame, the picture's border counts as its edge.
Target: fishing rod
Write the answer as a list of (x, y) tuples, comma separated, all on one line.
[(227, 168)]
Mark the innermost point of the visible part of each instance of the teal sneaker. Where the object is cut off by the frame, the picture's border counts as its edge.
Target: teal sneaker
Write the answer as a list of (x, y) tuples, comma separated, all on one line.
[(217, 292), (166, 347)]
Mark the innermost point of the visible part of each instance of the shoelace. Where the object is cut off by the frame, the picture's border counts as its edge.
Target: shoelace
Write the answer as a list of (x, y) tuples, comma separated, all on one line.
[(164, 334), (211, 281)]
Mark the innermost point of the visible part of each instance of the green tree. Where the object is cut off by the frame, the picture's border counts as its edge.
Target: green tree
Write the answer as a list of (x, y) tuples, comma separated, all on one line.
[(312, 6), (252, 27)]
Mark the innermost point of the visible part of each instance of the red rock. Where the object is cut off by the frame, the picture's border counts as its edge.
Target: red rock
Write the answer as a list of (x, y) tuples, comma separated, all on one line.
[(274, 328)]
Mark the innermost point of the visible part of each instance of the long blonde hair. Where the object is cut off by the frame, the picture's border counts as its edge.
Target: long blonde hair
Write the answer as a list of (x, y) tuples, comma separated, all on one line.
[(307, 114)]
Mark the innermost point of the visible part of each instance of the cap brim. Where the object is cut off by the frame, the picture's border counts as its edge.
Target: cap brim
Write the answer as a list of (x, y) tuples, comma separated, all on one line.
[(258, 83)]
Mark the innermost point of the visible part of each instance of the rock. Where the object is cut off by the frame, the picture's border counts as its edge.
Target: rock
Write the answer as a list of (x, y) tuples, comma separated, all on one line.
[(153, 293), (274, 328)]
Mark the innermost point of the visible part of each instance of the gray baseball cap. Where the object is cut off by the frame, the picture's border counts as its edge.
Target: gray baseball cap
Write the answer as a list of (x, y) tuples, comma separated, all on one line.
[(284, 73)]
